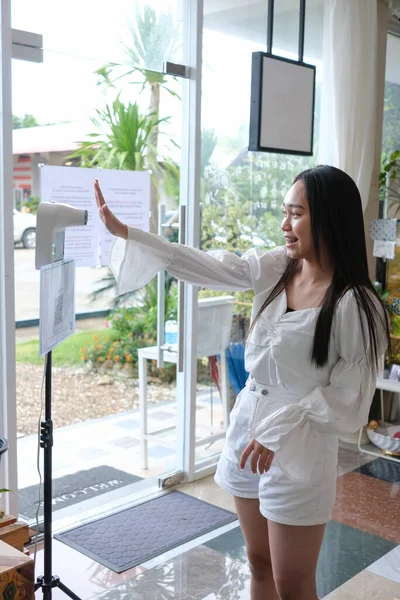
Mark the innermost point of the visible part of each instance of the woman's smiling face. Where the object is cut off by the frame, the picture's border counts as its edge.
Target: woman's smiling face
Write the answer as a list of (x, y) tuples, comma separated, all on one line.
[(296, 224)]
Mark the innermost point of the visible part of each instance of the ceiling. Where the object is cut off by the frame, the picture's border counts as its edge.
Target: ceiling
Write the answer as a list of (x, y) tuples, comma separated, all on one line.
[(247, 19)]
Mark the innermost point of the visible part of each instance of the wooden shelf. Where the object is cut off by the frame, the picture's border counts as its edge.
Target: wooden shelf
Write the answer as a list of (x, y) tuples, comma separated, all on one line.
[(13, 533), (16, 574)]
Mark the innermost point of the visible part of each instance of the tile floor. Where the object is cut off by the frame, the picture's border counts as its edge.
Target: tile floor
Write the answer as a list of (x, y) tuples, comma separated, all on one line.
[(360, 557)]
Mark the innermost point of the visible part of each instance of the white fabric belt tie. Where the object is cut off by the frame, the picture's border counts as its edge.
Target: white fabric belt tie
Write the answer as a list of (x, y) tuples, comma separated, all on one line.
[(271, 392), (290, 426)]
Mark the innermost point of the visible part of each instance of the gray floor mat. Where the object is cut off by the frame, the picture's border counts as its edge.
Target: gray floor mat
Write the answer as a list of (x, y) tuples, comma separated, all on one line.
[(74, 488), (131, 537)]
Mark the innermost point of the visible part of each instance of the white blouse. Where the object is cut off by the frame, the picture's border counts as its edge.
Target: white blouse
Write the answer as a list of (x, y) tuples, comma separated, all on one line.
[(334, 399)]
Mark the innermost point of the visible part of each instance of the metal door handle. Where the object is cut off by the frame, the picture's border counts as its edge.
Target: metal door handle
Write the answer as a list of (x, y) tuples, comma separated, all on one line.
[(181, 295), (160, 299)]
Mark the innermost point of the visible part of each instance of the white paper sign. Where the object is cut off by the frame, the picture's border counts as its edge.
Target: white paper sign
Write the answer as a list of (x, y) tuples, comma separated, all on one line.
[(127, 193), (57, 304), (384, 249), (74, 186)]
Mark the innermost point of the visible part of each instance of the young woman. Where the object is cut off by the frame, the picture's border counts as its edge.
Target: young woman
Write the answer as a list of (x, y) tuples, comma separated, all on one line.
[(317, 334)]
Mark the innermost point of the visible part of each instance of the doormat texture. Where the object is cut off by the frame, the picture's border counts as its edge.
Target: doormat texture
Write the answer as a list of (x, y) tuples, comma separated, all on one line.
[(131, 537), (71, 489)]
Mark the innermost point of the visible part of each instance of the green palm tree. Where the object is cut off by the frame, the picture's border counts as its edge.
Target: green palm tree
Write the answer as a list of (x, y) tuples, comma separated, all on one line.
[(155, 37), (123, 139)]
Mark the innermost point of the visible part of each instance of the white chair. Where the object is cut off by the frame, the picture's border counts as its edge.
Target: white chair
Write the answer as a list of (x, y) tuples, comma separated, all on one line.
[(214, 331)]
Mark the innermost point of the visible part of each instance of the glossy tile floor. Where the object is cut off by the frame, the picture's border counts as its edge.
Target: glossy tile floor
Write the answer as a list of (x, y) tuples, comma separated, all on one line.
[(360, 557)]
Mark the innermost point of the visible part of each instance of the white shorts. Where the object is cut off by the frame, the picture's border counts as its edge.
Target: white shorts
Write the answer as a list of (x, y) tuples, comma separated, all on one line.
[(281, 499)]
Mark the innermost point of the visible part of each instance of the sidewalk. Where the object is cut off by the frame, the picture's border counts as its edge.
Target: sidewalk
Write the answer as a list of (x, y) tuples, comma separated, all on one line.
[(114, 441)]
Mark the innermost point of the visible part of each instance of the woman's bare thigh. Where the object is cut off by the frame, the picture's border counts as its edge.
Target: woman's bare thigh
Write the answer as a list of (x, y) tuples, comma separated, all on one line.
[(294, 557), (254, 527)]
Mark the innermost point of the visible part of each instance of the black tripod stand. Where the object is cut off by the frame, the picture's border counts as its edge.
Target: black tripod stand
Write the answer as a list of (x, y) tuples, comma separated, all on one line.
[(47, 582)]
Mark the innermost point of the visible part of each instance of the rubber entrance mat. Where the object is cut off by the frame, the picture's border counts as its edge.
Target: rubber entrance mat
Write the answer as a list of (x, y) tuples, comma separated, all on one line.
[(131, 537), (71, 489)]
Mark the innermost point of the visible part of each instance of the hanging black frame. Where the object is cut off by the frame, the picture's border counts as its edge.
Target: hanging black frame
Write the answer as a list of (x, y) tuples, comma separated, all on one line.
[(255, 144)]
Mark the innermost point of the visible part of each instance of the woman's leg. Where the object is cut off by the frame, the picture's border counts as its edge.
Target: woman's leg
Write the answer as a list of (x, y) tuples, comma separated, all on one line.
[(294, 557), (255, 531)]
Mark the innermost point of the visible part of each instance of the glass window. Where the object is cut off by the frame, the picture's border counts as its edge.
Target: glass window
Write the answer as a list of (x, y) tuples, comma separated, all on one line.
[(391, 116), (57, 105), (391, 144), (242, 191)]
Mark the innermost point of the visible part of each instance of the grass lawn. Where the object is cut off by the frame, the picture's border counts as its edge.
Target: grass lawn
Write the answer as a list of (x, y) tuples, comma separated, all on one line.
[(67, 353)]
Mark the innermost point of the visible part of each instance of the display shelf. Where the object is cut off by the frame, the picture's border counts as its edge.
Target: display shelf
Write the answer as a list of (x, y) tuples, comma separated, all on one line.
[(383, 385)]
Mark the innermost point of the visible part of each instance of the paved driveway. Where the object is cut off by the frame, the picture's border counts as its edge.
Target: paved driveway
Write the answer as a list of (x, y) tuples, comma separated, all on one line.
[(27, 286)]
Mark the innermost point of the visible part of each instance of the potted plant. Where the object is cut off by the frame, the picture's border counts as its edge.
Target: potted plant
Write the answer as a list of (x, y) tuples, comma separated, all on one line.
[(389, 182), (3, 449)]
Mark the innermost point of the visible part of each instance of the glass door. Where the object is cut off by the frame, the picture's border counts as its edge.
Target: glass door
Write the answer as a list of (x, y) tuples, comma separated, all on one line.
[(241, 191), (118, 419)]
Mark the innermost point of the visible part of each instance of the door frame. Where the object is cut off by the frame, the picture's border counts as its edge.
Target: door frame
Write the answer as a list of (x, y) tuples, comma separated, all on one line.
[(190, 198), (8, 418)]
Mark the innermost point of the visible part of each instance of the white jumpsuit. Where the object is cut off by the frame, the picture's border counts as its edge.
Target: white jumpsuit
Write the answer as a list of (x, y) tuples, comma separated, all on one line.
[(288, 405)]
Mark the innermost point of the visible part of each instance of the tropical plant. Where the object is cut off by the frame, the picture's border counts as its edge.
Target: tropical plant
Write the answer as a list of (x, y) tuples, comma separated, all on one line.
[(131, 328), (392, 306), (242, 207), (224, 221), (122, 140), (107, 283), (243, 203), (389, 181), (155, 37), (31, 205), (141, 319)]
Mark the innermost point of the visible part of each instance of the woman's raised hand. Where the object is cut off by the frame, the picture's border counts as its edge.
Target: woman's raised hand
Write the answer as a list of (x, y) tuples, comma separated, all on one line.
[(113, 224)]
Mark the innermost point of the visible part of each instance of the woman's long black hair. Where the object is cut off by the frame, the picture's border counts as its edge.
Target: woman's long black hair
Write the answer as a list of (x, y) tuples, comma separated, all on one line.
[(337, 219)]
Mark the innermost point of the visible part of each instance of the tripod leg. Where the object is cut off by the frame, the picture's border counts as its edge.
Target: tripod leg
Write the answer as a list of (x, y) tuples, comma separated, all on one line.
[(48, 582), (46, 442), (55, 582), (47, 445), (67, 591)]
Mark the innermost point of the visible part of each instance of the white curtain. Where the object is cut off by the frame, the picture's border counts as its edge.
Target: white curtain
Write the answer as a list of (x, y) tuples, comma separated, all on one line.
[(350, 95)]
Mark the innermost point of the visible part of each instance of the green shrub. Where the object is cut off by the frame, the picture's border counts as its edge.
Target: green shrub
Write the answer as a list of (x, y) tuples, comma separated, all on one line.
[(132, 328), (32, 204)]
